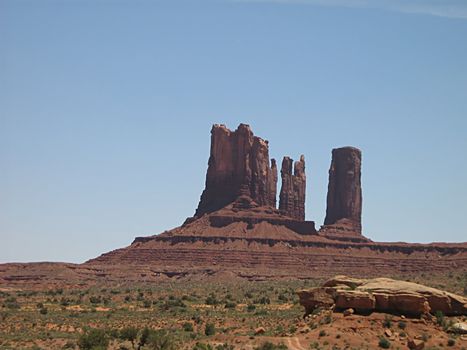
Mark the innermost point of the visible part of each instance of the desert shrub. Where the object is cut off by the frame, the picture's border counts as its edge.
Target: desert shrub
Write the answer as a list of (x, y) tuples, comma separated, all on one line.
[(451, 342), (224, 347), (282, 297), (128, 333), (161, 340), (212, 300), (263, 300), (95, 300), (230, 305), (440, 320), (11, 303), (69, 345), (402, 325), (250, 307), (271, 346), (147, 304), (144, 337), (384, 343), (210, 329), (387, 323), (322, 333), (93, 339), (43, 311), (187, 327), (202, 346)]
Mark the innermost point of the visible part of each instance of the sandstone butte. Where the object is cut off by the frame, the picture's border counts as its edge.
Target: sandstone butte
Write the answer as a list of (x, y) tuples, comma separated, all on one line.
[(238, 229)]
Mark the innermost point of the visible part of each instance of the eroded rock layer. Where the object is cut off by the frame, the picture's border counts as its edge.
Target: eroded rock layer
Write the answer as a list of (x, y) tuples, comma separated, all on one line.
[(238, 165)]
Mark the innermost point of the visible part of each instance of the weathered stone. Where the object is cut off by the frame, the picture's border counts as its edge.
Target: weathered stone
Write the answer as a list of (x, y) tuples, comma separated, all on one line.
[(238, 165), (415, 344), (459, 328), (383, 295), (348, 312), (292, 195), (344, 200)]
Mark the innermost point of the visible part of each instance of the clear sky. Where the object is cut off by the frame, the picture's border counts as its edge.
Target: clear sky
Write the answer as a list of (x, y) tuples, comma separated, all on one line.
[(106, 109)]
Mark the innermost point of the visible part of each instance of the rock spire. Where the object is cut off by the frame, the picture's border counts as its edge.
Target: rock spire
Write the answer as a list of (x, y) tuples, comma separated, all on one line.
[(344, 200), (238, 166), (292, 195)]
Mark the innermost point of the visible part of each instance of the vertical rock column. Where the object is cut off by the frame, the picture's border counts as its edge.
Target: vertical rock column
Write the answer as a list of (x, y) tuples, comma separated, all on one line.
[(292, 195), (238, 166), (344, 199)]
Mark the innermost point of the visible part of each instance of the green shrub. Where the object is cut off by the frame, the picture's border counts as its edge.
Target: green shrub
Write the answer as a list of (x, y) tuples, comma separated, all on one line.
[(250, 308), (387, 323), (384, 343), (128, 333), (440, 320), (451, 342), (271, 346), (402, 325), (161, 340), (188, 327), (230, 305), (212, 300), (202, 346), (43, 311), (322, 333), (93, 339), (210, 329)]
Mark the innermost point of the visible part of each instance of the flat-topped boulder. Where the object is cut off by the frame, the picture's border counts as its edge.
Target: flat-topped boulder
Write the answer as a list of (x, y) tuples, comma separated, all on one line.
[(382, 295)]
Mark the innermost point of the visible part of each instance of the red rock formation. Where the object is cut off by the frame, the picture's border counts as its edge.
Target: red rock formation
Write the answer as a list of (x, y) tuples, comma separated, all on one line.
[(238, 165), (344, 201), (292, 195)]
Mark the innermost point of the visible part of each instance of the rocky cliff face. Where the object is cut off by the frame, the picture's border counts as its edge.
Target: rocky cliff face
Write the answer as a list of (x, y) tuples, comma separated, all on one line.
[(344, 201), (292, 195), (238, 166)]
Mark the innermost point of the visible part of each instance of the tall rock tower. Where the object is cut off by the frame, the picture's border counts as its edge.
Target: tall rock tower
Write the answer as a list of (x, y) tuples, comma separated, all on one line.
[(344, 201), (238, 166), (292, 195)]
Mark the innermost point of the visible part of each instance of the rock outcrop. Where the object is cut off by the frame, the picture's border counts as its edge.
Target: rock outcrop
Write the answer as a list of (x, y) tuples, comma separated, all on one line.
[(238, 165), (382, 295), (344, 200), (292, 195)]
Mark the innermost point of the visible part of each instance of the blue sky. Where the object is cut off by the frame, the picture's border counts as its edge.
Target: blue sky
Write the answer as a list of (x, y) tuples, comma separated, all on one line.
[(106, 108)]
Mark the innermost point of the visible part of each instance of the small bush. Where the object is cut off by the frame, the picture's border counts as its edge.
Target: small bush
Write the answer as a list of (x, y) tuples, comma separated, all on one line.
[(128, 333), (210, 329), (212, 300), (271, 346), (161, 340), (387, 323), (202, 346), (322, 333), (440, 320), (402, 325), (251, 308), (92, 339), (43, 311), (451, 342), (384, 343), (230, 305), (188, 327)]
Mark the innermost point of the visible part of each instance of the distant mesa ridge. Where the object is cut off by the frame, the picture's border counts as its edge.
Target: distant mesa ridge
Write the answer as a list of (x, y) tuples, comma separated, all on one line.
[(244, 227)]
